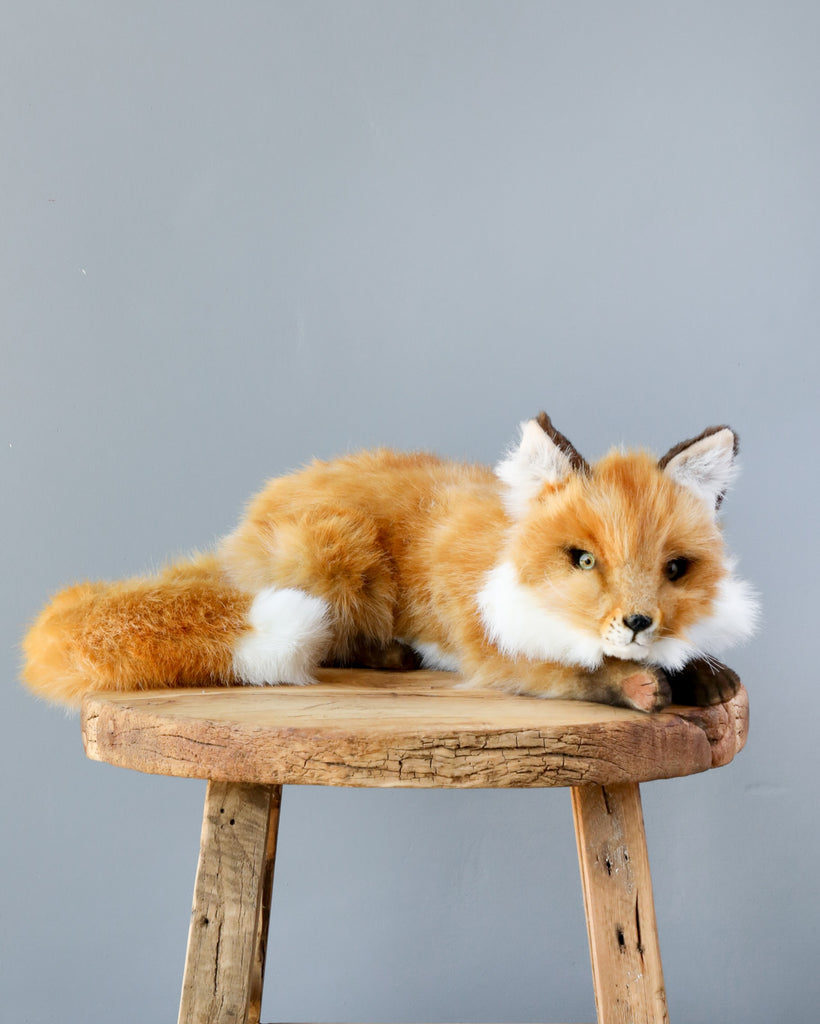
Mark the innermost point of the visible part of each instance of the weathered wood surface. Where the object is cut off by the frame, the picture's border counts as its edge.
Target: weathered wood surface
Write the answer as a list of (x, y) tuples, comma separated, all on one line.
[(365, 728), (226, 941), (620, 911), (257, 978)]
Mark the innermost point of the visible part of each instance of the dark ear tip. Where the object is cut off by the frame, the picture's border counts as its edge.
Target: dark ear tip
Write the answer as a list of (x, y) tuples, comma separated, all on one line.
[(577, 461), (724, 426), (663, 462)]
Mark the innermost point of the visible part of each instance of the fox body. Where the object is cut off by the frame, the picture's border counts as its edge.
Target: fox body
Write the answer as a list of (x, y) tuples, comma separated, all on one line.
[(547, 577)]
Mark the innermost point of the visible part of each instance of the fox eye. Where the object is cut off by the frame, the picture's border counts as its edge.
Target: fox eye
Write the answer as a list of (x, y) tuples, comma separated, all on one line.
[(582, 559), (676, 568)]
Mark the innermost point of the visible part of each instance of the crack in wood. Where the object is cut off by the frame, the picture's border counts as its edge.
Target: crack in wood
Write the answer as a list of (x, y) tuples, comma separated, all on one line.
[(216, 959), (638, 926)]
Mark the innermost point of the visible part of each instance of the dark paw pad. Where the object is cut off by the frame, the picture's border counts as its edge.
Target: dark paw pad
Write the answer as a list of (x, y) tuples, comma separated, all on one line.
[(702, 683)]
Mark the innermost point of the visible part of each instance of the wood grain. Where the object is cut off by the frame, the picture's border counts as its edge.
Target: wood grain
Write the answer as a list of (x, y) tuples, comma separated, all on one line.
[(257, 977), (415, 729), (223, 969), (620, 911)]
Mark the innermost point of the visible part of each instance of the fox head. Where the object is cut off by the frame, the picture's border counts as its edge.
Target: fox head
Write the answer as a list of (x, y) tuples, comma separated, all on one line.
[(623, 558)]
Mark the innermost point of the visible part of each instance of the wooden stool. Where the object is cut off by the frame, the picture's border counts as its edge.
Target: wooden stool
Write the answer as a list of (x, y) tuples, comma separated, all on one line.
[(361, 728)]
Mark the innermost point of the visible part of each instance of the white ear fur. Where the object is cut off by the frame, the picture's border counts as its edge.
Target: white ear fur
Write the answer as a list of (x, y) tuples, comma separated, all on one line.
[(536, 461), (706, 467)]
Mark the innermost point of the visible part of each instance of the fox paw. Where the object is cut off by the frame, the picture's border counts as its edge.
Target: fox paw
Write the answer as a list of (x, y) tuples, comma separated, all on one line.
[(646, 689), (703, 683)]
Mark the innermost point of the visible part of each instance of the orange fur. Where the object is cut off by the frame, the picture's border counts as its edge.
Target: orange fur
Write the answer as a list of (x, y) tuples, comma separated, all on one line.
[(636, 519), (144, 633), (399, 546)]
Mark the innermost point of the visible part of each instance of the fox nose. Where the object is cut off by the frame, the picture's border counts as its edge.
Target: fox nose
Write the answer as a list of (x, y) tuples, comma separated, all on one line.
[(637, 623)]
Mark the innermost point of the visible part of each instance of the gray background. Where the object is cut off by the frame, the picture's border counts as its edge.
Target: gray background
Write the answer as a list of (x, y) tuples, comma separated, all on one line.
[(238, 236)]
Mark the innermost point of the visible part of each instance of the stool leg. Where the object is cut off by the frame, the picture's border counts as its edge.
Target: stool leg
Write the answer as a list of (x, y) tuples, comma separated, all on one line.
[(261, 945), (623, 937), (228, 933)]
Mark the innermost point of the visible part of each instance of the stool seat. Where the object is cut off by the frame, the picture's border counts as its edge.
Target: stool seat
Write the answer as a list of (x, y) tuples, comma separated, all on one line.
[(408, 729)]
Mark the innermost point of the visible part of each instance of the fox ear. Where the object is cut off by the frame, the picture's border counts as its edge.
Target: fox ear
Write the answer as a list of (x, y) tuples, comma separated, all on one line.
[(543, 456), (705, 465)]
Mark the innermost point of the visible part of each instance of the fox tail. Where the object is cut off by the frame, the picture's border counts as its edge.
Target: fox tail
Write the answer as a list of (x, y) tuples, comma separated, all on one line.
[(181, 627)]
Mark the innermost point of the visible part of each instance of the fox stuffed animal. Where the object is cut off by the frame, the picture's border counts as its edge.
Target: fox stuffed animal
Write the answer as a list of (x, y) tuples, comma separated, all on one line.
[(549, 577)]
